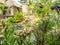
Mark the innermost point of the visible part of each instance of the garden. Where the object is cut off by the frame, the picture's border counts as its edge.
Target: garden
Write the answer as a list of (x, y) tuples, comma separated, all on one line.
[(30, 22)]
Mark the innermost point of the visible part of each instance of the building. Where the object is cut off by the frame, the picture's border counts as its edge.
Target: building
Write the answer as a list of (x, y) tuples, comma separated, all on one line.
[(12, 5)]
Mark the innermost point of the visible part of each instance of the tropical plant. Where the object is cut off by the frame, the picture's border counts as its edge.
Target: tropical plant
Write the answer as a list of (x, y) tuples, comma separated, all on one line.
[(41, 28)]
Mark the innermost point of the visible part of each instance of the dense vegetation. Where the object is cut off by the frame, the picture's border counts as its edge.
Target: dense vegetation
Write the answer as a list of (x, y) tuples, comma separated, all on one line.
[(41, 27)]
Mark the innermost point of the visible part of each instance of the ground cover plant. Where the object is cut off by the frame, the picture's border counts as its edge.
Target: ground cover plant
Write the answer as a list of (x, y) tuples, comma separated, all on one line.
[(41, 26)]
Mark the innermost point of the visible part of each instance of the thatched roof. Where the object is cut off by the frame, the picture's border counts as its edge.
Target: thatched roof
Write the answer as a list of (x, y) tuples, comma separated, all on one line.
[(11, 3)]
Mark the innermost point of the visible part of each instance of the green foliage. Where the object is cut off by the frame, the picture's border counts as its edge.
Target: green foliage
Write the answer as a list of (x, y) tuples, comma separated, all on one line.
[(2, 8), (18, 27), (42, 31), (17, 18), (52, 39), (9, 35), (57, 3)]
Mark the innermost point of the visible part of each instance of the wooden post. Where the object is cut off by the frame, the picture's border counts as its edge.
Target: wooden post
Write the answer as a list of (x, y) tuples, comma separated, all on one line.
[(12, 11)]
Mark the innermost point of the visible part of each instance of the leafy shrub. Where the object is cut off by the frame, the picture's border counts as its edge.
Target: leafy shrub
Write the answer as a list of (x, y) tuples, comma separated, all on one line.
[(17, 18)]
